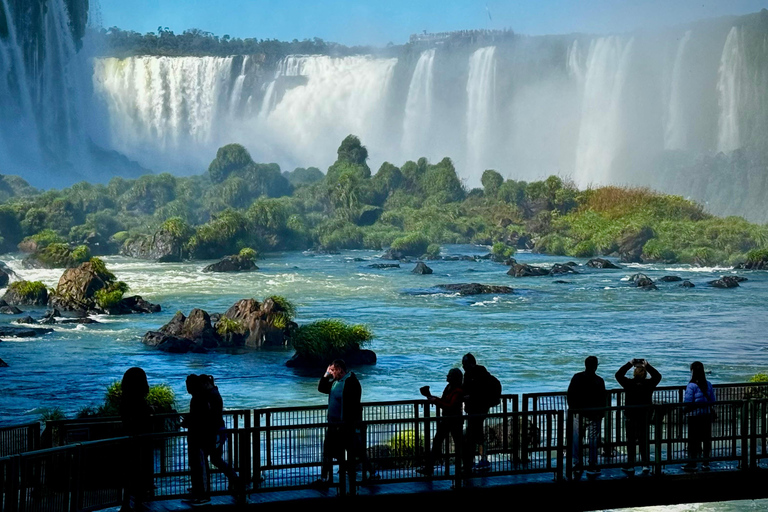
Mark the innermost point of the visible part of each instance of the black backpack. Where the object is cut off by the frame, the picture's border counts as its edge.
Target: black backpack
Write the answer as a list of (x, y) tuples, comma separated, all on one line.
[(491, 390)]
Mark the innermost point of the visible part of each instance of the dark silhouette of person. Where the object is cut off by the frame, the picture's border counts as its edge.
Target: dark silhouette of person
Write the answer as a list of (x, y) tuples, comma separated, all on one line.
[(638, 397), (451, 421), (345, 416), (476, 406), (587, 391), (206, 438), (700, 394), (136, 416)]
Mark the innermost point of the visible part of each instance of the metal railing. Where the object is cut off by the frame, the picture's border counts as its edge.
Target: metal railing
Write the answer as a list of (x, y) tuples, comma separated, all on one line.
[(19, 439), (282, 449)]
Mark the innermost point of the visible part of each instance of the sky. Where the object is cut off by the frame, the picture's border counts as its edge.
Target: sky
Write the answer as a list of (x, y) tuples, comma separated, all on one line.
[(362, 22)]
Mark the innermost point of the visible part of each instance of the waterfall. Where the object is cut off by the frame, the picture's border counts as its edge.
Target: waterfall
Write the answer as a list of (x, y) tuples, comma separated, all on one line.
[(729, 74), (42, 93), (236, 99), (675, 135), (481, 97), (417, 121), (600, 130)]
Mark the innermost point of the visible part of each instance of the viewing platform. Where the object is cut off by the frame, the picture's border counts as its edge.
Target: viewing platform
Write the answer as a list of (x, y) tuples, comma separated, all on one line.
[(76, 465)]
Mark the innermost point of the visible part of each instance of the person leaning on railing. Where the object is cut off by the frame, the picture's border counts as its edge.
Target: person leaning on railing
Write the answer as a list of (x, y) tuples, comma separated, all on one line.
[(700, 395), (638, 398), (451, 421)]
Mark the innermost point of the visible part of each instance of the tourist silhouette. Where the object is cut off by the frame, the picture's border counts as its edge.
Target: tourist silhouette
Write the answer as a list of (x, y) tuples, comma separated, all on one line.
[(638, 398), (586, 397), (136, 416), (450, 422), (700, 395)]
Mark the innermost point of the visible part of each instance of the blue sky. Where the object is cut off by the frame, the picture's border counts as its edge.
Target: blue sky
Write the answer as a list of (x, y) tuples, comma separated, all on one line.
[(378, 22)]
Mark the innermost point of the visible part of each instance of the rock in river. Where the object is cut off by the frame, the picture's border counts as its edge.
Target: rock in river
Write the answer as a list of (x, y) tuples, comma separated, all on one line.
[(601, 263), (421, 268), (475, 288)]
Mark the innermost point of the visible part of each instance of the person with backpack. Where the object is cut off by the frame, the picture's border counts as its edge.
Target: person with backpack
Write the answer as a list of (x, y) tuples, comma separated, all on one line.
[(700, 395), (450, 421), (586, 397), (481, 392)]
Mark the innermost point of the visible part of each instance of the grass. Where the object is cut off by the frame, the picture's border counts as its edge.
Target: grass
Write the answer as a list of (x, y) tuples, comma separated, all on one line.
[(328, 339)]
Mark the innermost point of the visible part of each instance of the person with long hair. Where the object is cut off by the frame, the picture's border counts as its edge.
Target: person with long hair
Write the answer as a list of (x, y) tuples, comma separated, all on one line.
[(701, 395), (136, 415), (451, 421)]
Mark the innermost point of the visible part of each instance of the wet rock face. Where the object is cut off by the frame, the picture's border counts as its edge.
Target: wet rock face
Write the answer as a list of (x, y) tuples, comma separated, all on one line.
[(601, 263), (525, 270), (232, 264), (475, 288), (384, 265), (163, 246), (631, 245), (725, 282), (421, 268)]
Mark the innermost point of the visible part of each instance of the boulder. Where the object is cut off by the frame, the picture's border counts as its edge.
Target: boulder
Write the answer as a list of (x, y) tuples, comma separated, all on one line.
[(50, 316), (725, 282), (83, 320), (562, 268), (25, 320), (26, 293), (475, 288), (393, 254), (77, 287), (601, 263), (10, 310), (631, 244), (136, 304), (23, 332), (558, 281), (162, 246), (384, 265), (524, 270), (197, 327), (421, 268), (687, 284), (642, 281), (3, 364), (232, 264), (351, 358), (175, 326), (670, 279), (248, 312), (5, 275), (740, 279)]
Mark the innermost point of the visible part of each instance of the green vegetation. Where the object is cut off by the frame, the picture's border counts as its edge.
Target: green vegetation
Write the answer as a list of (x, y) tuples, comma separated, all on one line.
[(328, 339), (29, 292), (111, 295), (239, 204), (247, 253), (228, 326), (161, 398)]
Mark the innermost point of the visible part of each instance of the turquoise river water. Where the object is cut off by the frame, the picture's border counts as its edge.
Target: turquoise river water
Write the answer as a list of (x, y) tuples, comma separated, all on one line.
[(533, 340)]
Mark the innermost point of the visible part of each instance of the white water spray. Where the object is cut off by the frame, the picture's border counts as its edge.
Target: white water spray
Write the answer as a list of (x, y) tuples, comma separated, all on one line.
[(481, 98), (417, 123)]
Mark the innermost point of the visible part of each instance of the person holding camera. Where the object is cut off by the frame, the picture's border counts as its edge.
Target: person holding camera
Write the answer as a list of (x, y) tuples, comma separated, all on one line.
[(638, 398), (450, 421)]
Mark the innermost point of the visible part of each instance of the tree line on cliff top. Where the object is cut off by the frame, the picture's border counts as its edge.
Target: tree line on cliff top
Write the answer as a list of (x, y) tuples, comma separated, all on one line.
[(239, 203)]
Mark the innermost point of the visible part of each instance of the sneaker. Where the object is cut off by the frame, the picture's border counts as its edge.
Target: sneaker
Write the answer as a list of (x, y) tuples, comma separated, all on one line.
[(690, 467), (646, 470), (629, 471), (200, 502), (483, 465), (705, 466)]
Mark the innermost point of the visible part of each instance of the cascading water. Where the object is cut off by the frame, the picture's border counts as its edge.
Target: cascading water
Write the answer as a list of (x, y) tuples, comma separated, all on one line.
[(598, 109), (731, 67), (43, 94), (675, 135), (417, 121), (600, 131), (481, 98)]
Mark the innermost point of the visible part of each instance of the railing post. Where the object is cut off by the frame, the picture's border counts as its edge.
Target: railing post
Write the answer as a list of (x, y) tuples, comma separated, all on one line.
[(569, 445), (560, 416), (429, 463), (244, 447), (746, 412), (417, 445), (658, 435), (268, 437), (505, 427), (256, 448), (13, 484)]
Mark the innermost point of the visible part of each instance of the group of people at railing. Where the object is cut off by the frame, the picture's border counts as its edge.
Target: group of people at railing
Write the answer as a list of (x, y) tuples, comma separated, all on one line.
[(466, 400), (587, 396)]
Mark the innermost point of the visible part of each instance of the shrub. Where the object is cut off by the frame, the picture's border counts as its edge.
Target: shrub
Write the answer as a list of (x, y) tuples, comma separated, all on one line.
[(111, 295), (284, 306), (81, 254), (756, 256), (584, 249), (412, 244), (247, 253), (228, 326), (329, 339), (160, 397), (29, 292), (403, 445), (55, 414), (433, 250), (502, 250)]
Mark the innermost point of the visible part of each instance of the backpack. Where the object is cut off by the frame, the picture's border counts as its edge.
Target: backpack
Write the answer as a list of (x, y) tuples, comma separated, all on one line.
[(491, 390)]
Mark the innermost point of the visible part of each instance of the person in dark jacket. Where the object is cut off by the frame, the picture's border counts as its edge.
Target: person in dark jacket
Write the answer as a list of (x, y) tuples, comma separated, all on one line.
[(638, 397), (206, 438), (451, 421), (136, 416), (476, 406), (345, 416), (587, 391)]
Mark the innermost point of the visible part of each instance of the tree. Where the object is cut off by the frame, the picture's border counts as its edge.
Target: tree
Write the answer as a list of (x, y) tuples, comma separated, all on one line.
[(491, 181), (229, 159)]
